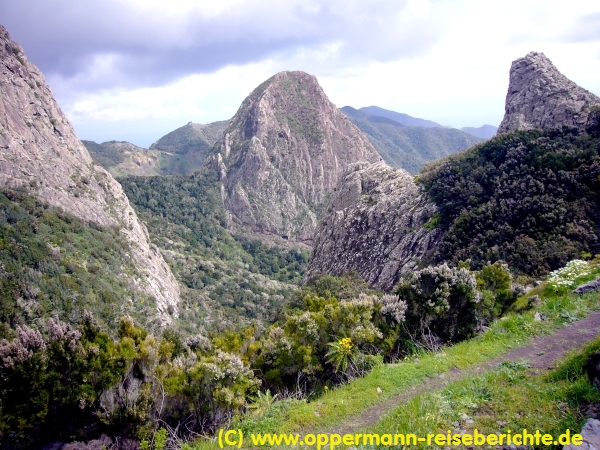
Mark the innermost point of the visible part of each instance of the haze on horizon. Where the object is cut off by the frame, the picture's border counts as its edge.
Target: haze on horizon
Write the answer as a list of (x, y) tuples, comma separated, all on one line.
[(136, 69)]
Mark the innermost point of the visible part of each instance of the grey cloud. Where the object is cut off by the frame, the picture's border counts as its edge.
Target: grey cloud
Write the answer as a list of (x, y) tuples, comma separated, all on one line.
[(64, 37)]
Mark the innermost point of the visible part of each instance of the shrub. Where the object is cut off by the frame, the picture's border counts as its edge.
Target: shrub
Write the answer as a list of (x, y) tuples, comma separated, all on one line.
[(442, 301)]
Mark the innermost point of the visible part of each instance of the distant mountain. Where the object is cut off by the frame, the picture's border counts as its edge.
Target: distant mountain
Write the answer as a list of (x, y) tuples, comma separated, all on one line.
[(192, 137), (483, 132), (409, 147), (403, 119), (123, 158), (185, 148), (181, 152)]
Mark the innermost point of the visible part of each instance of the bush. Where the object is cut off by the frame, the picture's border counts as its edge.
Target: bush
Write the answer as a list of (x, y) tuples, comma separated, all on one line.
[(442, 301)]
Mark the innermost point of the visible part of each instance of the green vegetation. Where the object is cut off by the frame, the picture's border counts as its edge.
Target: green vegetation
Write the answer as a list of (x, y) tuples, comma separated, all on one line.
[(529, 198), (265, 377), (513, 398), (409, 147), (437, 411), (51, 263), (227, 280)]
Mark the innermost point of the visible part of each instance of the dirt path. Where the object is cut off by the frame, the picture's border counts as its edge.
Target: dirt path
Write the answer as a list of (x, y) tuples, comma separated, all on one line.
[(541, 353)]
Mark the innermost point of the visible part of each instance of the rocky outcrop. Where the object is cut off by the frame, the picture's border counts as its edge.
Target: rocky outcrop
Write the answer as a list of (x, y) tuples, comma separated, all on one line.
[(282, 154), (40, 152), (591, 437), (539, 96), (378, 223), (590, 286)]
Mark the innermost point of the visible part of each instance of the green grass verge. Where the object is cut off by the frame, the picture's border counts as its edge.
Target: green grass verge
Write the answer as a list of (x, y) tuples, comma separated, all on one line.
[(509, 398)]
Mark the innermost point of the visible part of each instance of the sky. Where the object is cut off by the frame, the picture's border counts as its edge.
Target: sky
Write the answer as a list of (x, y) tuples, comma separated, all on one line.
[(134, 70)]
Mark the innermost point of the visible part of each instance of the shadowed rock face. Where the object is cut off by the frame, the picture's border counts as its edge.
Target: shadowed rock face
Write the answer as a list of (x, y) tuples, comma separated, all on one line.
[(539, 96), (282, 155), (374, 224), (40, 151)]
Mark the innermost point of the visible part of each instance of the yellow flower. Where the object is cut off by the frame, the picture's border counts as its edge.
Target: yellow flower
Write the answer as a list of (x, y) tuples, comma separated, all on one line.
[(346, 344)]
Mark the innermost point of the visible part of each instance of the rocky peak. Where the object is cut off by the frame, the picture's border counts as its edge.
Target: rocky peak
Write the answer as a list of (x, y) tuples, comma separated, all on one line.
[(539, 96), (378, 222), (282, 155), (40, 152)]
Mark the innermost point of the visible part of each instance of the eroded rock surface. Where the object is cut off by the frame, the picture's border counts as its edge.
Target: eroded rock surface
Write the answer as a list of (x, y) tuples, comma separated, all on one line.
[(591, 437), (374, 224), (39, 151), (283, 153), (539, 96)]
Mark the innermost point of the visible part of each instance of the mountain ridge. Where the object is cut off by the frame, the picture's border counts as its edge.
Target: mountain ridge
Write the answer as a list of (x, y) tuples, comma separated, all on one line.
[(401, 118), (406, 146)]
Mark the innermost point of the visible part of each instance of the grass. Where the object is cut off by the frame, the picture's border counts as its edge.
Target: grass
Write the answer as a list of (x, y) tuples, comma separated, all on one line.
[(512, 397), (439, 410)]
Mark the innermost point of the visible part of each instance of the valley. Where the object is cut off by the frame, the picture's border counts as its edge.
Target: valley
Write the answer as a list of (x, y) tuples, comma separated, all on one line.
[(298, 267)]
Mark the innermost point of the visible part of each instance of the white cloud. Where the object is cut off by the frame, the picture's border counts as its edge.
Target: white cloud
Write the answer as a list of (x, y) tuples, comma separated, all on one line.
[(442, 60)]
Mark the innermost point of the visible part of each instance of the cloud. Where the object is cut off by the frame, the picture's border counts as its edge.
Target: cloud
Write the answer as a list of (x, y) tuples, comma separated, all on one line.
[(585, 28), (127, 43)]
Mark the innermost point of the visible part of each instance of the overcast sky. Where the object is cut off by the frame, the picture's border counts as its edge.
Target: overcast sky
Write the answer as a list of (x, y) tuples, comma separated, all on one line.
[(136, 69)]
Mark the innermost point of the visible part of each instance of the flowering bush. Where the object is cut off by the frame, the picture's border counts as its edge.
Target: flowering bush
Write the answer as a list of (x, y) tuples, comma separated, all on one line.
[(563, 279), (441, 300)]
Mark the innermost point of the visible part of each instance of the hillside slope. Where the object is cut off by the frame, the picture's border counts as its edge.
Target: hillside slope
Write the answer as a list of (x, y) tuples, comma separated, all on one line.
[(408, 146), (530, 198), (41, 155)]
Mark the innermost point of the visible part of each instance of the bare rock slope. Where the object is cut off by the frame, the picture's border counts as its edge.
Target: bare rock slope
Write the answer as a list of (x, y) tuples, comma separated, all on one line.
[(375, 224), (39, 151), (283, 153), (539, 96)]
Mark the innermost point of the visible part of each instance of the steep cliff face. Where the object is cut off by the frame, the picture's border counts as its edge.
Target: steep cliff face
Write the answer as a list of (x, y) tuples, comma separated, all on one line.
[(539, 96), (40, 152), (378, 223), (282, 155)]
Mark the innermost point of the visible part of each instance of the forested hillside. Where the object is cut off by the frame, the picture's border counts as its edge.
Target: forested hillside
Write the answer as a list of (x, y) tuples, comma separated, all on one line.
[(530, 198), (53, 264), (227, 279), (409, 147)]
